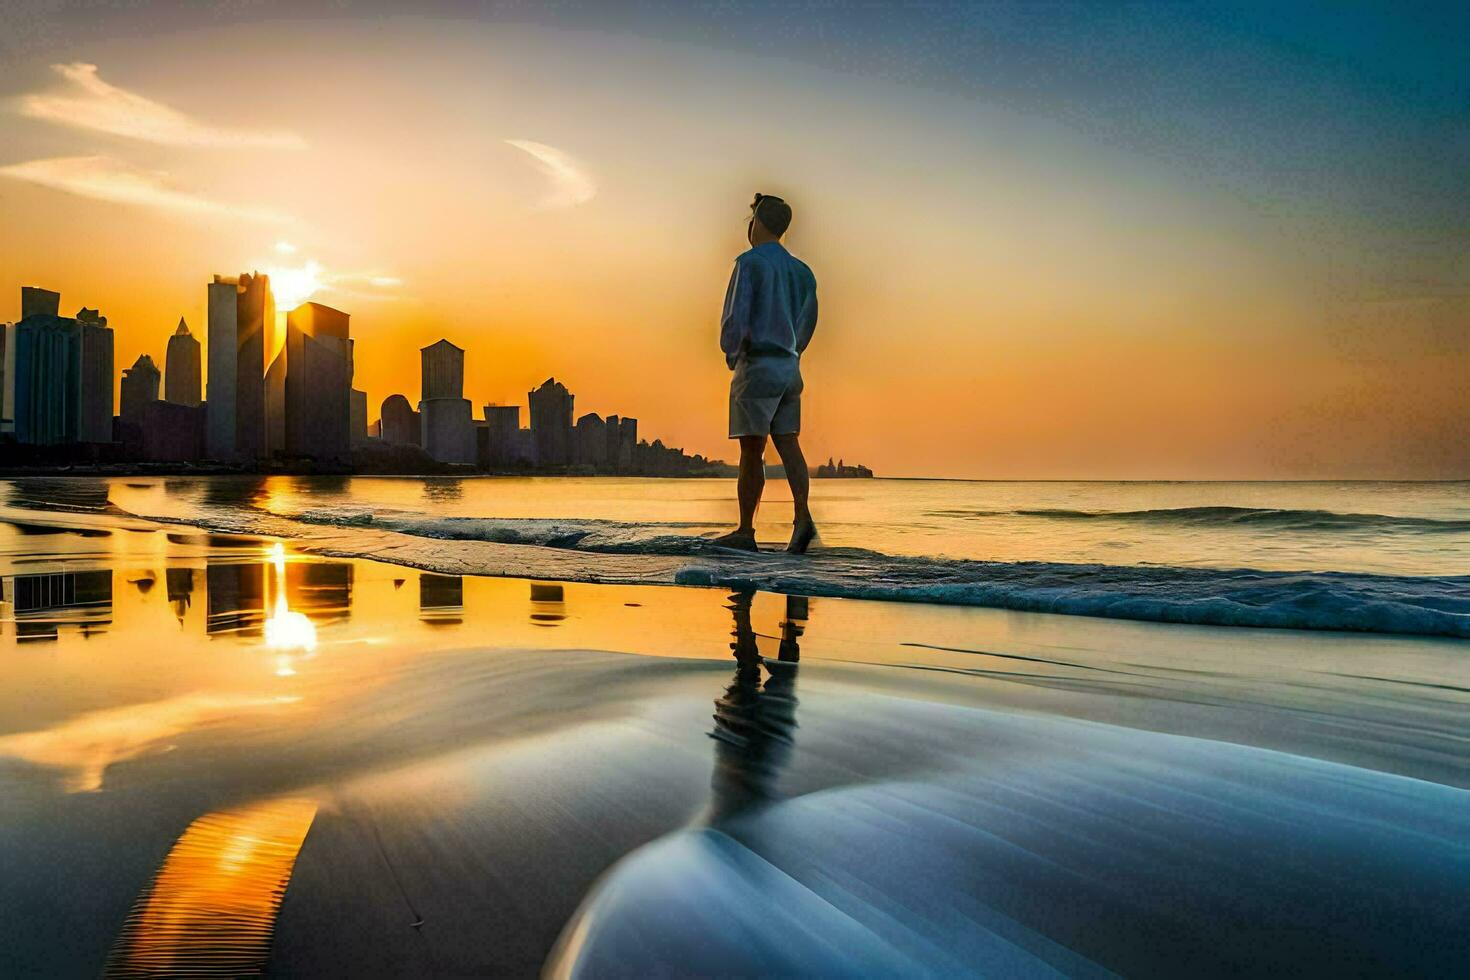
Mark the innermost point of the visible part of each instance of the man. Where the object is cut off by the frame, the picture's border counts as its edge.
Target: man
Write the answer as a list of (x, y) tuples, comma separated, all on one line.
[(770, 314)]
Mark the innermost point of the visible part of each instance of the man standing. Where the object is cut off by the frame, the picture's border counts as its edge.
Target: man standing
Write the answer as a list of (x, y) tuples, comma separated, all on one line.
[(770, 314)]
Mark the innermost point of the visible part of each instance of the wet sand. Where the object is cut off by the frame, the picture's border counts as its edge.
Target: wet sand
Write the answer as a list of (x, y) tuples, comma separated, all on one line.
[(243, 759)]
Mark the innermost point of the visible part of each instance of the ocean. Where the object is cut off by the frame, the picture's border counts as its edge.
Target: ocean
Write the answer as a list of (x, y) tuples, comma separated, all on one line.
[(364, 726), (1375, 557)]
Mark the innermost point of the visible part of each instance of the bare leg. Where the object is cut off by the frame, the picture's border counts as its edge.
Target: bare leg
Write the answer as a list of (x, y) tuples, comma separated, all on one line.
[(752, 482), (749, 487), (803, 528)]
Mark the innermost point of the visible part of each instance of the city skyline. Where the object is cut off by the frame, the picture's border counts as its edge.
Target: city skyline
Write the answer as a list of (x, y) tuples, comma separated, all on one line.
[(281, 394), (1123, 253)]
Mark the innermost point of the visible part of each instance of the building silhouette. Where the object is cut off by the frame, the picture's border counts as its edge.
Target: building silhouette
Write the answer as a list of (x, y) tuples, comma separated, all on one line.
[(7, 378), (94, 419), (47, 384), (287, 399), (358, 429), (398, 423), (442, 371), (139, 388), (551, 423), (181, 368), (35, 301), (310, 386), (627, 444), (502, 431), (591, 441), (166, 433), (445, 416), (241, 312), (59, 374)]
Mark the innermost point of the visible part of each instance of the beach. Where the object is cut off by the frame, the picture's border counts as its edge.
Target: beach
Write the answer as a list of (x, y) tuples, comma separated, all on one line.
[(322, 726)]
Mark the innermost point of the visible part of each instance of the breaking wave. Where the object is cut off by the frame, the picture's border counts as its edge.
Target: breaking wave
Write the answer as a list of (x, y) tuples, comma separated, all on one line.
[(675, 553), (1252, 517)]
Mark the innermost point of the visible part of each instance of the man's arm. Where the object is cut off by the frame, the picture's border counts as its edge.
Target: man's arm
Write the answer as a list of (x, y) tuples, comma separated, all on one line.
[(735, 323), (806, 320)]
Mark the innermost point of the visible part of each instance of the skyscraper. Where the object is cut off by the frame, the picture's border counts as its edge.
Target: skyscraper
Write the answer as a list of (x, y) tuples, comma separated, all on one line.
[(503, 422), (48, 360), (241, 311), (359, 428), (445, 415), (317, 360), (627, 444), (591, 440), (61, 378), (139, 387), (94, 411), (181, 368), (551, 423), (7, 377)]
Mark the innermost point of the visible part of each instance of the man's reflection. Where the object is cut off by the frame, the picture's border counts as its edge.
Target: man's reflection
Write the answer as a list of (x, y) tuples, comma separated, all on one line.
[(180, 584), (755, 721)]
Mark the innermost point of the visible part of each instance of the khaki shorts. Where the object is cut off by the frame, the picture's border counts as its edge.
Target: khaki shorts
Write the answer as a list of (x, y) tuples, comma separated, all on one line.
[(765, 396)]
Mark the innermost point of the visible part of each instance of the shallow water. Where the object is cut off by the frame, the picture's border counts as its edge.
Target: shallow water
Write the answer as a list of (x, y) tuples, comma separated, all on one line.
[(219, 754), (1387, 528), (1206, 563)]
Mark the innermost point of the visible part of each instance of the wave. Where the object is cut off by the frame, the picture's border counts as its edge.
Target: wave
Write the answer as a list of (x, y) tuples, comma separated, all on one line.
[(657, 553), (1255, 517)]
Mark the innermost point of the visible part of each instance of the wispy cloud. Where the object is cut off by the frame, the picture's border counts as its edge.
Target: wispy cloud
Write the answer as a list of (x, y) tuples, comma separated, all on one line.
[(90, 103), (570, 183), (105, 179)]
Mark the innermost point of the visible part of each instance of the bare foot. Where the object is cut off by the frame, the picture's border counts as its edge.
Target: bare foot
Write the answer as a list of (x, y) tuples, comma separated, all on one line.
[(801, 538), (739, 540)]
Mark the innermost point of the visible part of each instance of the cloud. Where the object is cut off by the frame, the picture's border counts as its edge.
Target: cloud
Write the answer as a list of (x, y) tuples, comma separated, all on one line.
[(570, 183), (91, 103), (105, 179)]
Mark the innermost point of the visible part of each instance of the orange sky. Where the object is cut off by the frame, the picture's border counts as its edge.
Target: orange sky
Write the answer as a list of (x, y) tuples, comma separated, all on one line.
[(1002, 295)]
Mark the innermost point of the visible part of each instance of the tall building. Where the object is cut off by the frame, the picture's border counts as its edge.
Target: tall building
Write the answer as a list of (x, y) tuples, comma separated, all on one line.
[(94, 413), (60, 379), (627, 444), (502, 423), (181, 368), (443, 371), (447, 423), (139, 388), (7, 378), (48, 362), (359, 428), (241, 314), (612, 432), (551, 423), (316, 408), (591, 441)]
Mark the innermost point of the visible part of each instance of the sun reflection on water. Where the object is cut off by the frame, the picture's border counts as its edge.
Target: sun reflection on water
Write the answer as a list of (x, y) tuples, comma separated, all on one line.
[(285, 629), (211, 909)]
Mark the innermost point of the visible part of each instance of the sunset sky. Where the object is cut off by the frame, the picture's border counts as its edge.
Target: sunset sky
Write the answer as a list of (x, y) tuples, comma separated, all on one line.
[(1153, 241)]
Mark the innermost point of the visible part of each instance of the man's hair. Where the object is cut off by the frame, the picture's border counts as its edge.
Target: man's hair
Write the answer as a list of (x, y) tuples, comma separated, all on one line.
[(772, 212)]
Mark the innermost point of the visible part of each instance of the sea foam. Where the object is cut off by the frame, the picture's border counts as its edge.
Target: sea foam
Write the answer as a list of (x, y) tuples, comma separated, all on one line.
[(1349, 601)]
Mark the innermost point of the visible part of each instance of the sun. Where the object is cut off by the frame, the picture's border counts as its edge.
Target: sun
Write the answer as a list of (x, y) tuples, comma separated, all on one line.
[(294, 285)]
